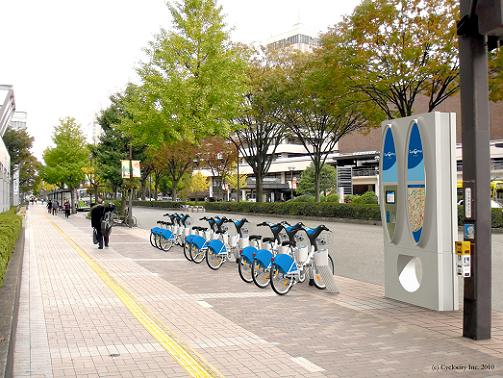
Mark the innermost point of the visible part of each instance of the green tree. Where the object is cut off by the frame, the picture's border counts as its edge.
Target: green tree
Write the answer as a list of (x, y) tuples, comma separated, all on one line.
[(496, 74), (197, 185), (18, 143), (367, 198), (232, 180), (175, 161), (396, 50), (219, 156), (93, 177), (318, 106), (64, 161), (194, 80), (29, 177), (328, 180), (114, 144), (257, 132)]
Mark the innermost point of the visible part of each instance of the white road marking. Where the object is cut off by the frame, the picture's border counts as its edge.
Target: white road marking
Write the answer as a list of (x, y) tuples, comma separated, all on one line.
[(308, 365), (204, 304)]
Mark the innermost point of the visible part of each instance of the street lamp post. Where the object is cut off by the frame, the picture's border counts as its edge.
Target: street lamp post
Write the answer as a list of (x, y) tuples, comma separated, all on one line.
[(291, 169)]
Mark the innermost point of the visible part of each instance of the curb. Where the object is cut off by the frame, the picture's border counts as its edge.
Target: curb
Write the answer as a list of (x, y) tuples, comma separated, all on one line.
[(296, 217), (9, 305)]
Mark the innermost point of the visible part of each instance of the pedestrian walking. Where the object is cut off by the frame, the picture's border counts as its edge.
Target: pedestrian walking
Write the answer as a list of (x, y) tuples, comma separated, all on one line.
[(101, 222), (55, 206), (49, 206), (67, 209)]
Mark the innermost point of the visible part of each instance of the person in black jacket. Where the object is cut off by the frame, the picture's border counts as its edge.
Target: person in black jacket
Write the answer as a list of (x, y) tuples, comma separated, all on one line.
[(97, 214)]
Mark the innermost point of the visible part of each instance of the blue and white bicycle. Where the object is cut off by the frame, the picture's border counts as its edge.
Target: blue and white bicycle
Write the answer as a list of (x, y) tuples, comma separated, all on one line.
[(288, 270), (262, 262)]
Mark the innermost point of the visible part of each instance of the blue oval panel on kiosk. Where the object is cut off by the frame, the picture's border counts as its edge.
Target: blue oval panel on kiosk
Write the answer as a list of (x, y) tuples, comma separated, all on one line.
[(389, 178), (416, 183)]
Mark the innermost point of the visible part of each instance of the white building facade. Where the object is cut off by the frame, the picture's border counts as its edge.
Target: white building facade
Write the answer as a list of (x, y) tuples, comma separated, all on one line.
[(7, 109)]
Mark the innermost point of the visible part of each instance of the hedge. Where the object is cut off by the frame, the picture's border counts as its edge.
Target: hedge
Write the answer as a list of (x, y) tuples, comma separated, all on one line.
[(496, 217), (323, 209), (10, 228)]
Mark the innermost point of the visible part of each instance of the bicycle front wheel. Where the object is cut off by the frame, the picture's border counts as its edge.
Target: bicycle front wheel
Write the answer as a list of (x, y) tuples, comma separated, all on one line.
[(166, 244), (153, 242), (317, 279), (197, 255), (280, 282), (260, 274), (214, 260)]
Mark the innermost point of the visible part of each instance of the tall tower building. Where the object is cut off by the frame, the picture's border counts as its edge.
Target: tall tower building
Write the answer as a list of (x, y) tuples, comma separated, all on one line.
[(297, 38)]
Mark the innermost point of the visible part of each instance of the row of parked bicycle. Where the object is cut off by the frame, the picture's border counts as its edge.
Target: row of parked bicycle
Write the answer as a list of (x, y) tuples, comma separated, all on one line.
[(291, 255)]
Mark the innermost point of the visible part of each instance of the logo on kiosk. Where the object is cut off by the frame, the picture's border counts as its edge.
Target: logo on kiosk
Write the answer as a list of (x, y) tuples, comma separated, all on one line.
[(416, 183), (389, 169)]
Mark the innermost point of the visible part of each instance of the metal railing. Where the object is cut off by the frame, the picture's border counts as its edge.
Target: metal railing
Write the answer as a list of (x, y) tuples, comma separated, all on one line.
[(365, 172)]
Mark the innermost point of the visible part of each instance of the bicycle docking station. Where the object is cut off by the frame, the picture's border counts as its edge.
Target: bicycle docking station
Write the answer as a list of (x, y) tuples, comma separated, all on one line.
[(321, 261), (418, 207)]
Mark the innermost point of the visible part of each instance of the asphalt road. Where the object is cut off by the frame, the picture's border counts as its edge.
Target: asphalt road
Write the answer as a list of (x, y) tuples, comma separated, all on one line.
[(357, 249)]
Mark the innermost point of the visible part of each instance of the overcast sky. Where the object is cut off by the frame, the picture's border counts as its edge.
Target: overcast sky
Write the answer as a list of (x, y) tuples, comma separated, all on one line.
[(66, 57)]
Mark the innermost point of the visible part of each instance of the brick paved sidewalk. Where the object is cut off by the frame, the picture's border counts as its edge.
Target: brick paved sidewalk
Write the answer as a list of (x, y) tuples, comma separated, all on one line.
[(72, 323)]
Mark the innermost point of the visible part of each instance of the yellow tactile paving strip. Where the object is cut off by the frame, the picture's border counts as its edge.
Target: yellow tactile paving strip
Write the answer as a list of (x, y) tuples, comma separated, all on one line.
[(185, 357)]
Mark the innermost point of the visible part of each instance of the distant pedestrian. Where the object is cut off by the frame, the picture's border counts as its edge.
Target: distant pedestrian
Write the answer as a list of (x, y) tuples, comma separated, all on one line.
[(55, 206), (67, 209), (101, 222), (49, 206)]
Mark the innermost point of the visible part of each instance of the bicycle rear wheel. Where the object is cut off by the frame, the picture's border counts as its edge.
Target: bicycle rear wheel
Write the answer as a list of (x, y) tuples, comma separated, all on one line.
[(260, 274), (197, 255), (280, 282), (244, 269), (214, 260), (186, 251), (317, 279)]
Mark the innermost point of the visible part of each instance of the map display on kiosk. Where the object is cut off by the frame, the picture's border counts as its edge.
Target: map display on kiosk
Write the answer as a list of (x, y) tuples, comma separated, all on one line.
[(416, 183), (389, 169)]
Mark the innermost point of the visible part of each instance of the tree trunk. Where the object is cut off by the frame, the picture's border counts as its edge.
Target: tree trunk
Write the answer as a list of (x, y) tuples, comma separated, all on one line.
[(317, 179), (143, 189), (258, 186), (72, 200), (96, 194), (173, 191)]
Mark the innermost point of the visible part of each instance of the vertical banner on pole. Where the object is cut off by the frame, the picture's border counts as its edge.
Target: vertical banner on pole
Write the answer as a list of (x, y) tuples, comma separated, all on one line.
[(125, 168)]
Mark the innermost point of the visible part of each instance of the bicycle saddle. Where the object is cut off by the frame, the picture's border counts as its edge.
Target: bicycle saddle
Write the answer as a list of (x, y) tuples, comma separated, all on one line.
[(270, 240), (287, 242), (219, 232), (255, 237)]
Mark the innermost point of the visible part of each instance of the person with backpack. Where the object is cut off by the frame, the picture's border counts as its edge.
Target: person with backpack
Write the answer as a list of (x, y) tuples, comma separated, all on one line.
[(101, 222), (67, 209), (49, 206)]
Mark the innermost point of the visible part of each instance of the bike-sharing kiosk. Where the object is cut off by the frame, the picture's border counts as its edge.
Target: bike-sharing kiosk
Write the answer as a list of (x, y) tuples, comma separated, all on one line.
[(418, 208)]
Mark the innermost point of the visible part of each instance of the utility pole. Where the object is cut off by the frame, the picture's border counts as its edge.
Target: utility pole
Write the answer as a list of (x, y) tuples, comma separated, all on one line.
[(237, 173), (479, 24), (130, 207)]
